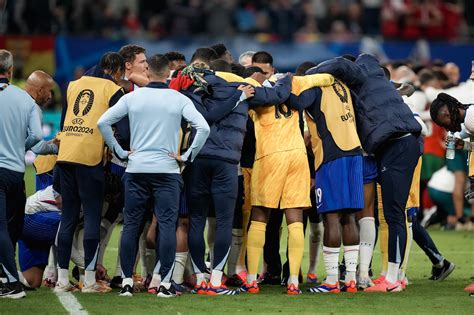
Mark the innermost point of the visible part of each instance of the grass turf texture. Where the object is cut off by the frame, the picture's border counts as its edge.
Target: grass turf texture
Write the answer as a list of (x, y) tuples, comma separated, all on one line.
[(421, 297)]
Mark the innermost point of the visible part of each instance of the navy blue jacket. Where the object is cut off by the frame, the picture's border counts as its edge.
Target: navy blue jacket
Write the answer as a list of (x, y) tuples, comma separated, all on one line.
[(381, 113), (227, 117)]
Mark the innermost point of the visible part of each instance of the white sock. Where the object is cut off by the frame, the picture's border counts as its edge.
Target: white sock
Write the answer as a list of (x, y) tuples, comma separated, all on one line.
[(251, 278), (200, 278), (237, 236), (211, 235), (63, 276), (89, 278), (315, 240), (351, 255), (179, 265), (293, 280), (127, 281), (331, 262), (216, 278), (155, 281), (167, 285), (367, 241), (81, 275), (392, 272)]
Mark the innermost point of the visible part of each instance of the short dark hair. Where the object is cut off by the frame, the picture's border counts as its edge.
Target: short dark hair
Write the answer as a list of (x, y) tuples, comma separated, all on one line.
[(305, 66), (205, 54), (220, 65), (112, 62), (438, 63), (130, 52), (251, 70), (440, 75), (159, 65), (220, 49), (237, 69), (262, 57), (425, 76), (349, 57), (175, 56)]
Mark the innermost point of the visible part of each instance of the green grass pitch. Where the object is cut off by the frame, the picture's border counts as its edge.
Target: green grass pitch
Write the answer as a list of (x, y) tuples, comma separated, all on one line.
[(422, 296)]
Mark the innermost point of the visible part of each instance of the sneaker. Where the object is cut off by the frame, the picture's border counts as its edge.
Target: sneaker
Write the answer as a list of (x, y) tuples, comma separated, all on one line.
[(380, 279), (441, 273), (153, 290), (270, 279), (350, 287), (179, 288), (385, 286), (404, 283), (116, 282), (127, 290), (469, 288), (166, 293), (364, 283), (293, 289), (325, 288), (49, 283), (12, 290), (98, 287), (312, 278), (200, 289), (250, 287), (243, 276), (234, 281), (61, 288), (220, 290)]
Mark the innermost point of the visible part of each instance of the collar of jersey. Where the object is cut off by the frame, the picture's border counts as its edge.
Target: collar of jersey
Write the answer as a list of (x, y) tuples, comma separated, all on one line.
[(157, 85)]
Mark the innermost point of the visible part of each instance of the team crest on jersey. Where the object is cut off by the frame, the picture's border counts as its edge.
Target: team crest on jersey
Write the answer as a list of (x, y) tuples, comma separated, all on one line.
[(84, 101), (340, 91)]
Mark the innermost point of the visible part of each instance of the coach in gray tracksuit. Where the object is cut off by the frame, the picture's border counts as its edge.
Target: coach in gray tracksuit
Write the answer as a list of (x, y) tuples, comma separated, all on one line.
[(155, 114), (20, 130)]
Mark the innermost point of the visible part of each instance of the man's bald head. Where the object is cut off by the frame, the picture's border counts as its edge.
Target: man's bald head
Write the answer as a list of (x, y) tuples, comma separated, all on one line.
[(39, 85)]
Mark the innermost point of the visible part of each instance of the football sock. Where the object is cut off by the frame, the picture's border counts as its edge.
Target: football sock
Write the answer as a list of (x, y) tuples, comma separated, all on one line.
[(234, 251), (211, 235), (331, 262), (180, 264), (89, 278), (216, 278), (407, 251), (200, 278), (351, 254), (127, 281), (392, 272), (155, 281), (295, 249), (243, 249), (63, 276), (255, 242), (367, 241)]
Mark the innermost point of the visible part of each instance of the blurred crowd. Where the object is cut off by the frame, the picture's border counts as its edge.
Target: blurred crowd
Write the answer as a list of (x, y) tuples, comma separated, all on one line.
[(277, 20), (443, 180)]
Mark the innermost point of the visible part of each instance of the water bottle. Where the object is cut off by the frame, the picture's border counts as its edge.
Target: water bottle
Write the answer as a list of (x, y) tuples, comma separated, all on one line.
[(450, 146)]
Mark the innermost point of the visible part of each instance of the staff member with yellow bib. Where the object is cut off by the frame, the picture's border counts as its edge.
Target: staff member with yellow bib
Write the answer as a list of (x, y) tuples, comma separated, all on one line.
[(80, 164)]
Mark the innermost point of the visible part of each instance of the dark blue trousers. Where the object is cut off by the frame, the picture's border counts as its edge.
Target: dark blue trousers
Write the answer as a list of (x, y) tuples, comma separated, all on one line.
[(424, 240), (164, 190), (12, 212), (80, 186), (396, 162), (212, 182)]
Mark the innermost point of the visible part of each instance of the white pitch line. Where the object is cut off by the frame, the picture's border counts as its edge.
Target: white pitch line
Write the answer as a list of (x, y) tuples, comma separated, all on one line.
[(71, 304)]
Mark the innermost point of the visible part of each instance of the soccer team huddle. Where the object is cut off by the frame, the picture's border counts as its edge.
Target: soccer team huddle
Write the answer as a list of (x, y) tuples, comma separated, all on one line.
[(175, 150)]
